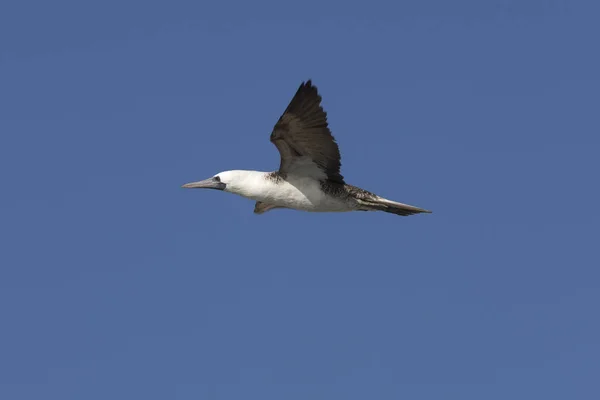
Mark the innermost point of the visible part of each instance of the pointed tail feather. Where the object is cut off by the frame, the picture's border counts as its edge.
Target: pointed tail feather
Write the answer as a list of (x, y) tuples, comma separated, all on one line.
[(393, 207)]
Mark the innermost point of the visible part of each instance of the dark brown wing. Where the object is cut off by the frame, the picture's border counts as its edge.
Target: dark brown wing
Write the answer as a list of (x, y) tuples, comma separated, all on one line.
[(303, 138)]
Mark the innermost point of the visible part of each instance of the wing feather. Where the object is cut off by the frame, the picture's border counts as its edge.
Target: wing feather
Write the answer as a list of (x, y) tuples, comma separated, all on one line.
[(302, 134)]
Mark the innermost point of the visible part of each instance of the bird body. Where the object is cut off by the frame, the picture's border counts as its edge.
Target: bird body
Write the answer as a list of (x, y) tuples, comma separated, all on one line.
[(295, 191), (309, 176)]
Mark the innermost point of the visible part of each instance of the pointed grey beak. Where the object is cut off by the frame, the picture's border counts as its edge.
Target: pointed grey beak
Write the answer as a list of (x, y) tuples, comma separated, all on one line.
[(211, 183)]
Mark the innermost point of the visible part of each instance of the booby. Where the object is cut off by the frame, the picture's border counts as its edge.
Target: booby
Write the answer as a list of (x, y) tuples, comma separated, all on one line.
[(309, 177)]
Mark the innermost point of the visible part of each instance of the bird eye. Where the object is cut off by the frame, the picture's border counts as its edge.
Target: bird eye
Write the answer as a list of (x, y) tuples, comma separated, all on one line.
[(217, 179)]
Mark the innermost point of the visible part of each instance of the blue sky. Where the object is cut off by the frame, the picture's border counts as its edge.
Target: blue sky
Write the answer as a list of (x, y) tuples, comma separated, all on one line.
[(116, 283)]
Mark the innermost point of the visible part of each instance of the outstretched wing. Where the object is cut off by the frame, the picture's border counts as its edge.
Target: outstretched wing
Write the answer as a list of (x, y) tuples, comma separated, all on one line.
[(304, 140)]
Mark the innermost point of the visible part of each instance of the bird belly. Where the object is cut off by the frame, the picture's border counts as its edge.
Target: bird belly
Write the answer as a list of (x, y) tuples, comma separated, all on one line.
[(303, 194)]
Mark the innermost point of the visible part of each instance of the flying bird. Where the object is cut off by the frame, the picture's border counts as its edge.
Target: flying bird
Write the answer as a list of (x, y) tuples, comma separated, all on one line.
[(309, 177)]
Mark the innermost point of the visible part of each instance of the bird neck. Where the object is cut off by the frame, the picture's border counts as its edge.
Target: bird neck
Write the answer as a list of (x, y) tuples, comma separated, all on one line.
[(250, 184)]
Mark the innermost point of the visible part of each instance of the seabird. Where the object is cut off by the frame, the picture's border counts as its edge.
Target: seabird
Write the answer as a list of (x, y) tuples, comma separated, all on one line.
[(309, 176)]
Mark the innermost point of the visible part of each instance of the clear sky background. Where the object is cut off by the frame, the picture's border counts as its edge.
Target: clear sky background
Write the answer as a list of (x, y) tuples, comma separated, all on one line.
[(115, 283)]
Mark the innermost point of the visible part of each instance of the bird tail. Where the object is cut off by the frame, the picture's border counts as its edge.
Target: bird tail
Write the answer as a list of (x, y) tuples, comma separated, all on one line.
[(389, 206)]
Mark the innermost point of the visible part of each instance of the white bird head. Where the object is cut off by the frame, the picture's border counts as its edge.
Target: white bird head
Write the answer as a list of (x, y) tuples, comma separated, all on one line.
[(228, 181)]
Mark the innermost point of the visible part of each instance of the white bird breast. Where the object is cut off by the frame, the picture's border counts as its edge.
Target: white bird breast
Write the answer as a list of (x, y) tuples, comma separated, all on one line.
[(302, 193)]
